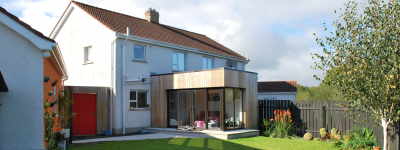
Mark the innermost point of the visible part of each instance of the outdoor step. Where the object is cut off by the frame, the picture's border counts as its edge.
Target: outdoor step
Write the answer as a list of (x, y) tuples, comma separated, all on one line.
[(232, 134)]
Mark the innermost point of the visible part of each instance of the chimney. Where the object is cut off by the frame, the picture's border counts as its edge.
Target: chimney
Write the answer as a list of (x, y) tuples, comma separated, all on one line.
[(152, 15)]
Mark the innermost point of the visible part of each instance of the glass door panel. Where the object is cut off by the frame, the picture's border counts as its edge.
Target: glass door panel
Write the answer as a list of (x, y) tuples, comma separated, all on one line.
[(185, 106), (214, 109), (238, 109), (199, 109), (229, 109), (173, 108)]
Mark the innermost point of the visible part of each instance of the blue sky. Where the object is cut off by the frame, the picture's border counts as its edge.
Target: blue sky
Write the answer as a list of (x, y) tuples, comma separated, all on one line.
[(277, 35)]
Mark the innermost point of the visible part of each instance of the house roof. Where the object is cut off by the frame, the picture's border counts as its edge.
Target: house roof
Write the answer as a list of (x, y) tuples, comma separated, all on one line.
[(16, 19), (118, 22), (3, 85), (277, 86)]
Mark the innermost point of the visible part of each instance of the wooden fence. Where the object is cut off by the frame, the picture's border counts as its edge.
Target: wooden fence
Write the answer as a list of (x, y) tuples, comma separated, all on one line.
[(311, 115)]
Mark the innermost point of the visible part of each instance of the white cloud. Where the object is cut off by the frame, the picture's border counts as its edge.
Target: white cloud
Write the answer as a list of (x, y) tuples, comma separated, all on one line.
[(277, 35)]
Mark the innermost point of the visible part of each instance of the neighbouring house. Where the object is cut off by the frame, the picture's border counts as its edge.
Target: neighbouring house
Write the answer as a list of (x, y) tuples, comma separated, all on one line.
[(128, 73), (277, 90), (27, 59)]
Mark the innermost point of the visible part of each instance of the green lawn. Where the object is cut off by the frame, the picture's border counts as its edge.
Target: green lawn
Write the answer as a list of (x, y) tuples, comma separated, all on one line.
[(201, 143)]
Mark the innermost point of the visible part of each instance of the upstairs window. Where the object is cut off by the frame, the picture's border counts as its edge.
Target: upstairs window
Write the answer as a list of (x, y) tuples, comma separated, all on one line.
[(138, 99), (139, 52), (178, 61), (88, 54), (208, 63)]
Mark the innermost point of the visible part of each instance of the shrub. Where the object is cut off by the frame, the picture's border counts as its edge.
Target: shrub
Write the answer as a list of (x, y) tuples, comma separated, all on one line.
[(282, 125), (358, 139), (335, 134), (323, 133)]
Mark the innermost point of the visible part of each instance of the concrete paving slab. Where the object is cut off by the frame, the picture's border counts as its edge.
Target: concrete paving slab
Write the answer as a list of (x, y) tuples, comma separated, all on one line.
[(135, 137)]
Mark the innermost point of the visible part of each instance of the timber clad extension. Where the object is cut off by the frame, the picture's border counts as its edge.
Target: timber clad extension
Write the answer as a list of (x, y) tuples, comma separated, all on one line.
[(204, 79)]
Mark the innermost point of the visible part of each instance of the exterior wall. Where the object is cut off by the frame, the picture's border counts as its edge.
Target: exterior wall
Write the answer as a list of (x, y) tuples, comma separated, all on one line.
[(79, 31), (158, 60), (22, 69), (277, 95), (49, 70)]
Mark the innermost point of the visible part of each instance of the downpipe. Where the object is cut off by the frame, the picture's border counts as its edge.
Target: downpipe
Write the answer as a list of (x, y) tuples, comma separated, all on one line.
[(123, 80)]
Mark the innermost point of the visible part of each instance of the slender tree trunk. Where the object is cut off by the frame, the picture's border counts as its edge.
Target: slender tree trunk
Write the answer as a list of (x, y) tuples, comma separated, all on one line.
[(385, 134)]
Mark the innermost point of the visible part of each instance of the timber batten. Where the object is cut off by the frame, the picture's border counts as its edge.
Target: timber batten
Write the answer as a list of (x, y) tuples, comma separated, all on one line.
[(212, 78)]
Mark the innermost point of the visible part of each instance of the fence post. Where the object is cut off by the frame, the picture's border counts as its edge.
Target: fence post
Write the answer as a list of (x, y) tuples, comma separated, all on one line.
[(260, 117), (324, 116)]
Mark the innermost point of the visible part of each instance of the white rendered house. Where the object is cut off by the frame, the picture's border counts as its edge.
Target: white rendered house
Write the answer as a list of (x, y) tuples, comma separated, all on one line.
[(124, 55)]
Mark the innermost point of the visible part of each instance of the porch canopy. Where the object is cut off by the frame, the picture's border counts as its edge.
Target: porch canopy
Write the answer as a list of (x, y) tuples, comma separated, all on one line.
[(217, 99)]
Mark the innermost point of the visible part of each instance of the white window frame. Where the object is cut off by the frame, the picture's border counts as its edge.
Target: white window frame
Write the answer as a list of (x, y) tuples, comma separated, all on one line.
[(144, 52), (212, 65), (88, 54), (184, 61), (136, 98)]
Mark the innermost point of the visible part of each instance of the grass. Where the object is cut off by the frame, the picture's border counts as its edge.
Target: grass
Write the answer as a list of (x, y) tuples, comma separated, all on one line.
[(259, 142)]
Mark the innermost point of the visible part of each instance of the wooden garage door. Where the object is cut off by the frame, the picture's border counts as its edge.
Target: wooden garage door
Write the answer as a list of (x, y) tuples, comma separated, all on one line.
[(84, 122)]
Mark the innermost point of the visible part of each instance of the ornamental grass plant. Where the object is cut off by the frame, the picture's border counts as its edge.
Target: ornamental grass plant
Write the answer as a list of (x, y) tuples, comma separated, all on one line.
[(281, 126)]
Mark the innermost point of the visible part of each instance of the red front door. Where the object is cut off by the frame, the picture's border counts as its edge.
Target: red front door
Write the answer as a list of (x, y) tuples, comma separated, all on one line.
[(84, 122)]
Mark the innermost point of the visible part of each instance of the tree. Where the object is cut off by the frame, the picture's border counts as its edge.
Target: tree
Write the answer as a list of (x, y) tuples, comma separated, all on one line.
[(364, 50)]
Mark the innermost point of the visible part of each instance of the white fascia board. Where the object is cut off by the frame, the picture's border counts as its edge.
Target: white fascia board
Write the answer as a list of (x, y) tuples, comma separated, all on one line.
[(177, 47), (39, 42), (277, 93), (60, 60), (62, 21)]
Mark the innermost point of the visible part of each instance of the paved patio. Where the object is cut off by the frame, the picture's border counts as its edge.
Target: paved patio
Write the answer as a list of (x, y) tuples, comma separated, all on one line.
[(133, 137)]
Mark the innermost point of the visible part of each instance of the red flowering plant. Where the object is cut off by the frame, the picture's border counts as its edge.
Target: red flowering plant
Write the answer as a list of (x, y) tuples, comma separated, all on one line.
[(282, 126)]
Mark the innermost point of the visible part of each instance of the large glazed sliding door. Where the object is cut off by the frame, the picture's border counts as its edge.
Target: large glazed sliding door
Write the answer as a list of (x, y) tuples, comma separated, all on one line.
[(199, 109)]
